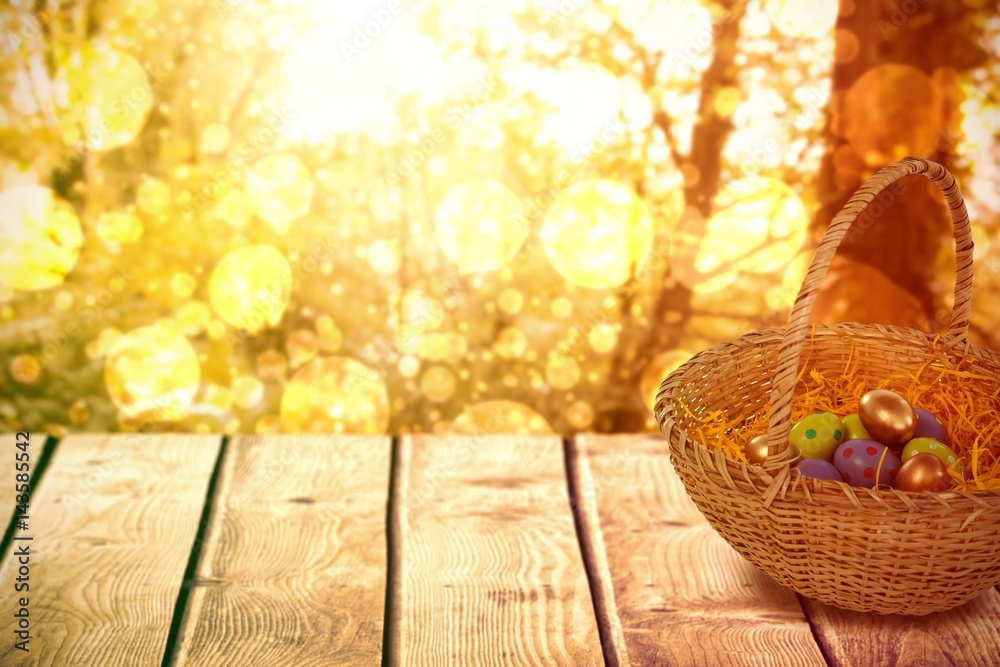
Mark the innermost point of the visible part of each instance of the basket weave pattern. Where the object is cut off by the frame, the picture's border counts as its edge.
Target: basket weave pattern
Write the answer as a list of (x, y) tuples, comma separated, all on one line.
[(883, 551)]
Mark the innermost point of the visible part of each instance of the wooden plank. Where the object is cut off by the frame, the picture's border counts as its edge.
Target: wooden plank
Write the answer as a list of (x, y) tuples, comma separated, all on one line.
[(8, 446), (113, 523), (967, 635), (682, 595), (486, 557), (294, 562)]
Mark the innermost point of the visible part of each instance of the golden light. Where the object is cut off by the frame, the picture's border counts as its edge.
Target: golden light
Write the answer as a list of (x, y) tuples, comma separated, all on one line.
[(192, 317), (152, 196), (78, 412), (597, 232), (384, 257), (279, 188), (153, 373), (438, 384), (247, 391), (183, 284), (602, 337), (329, 336), (102, 96), (330, 88), (500, 416), (250, 287), (758, 225), (233, 208), (271, 365), (408, 366), (803, 18), (215, 138), (580, 414), (510, 343), (25, 368), (561, 307), (301, 346), (479, 225), (656, 371), (335, 395), (562, 372), (119, 227), (891, 111), (510, 301), (40, 238), (583, 100)]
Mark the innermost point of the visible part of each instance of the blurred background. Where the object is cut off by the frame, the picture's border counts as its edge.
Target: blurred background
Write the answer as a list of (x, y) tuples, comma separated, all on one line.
[(441, 216)]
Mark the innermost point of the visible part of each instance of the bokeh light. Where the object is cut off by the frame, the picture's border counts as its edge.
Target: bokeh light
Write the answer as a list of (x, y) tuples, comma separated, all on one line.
[(335, 395), (153, 373), (279, 189), (596, 233), (500, 417), (758, 225), (480, 225), (251, 287), (803, 18), (461, 217), (41, 238), (119, 227), (883, 125), (102, 97), (437, 384)]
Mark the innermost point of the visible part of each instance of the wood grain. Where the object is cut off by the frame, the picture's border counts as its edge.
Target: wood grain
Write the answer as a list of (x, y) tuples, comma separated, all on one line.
[(294, 562), (968, 635), (684, 597), (113, 522), (485, 552), (8, 499)]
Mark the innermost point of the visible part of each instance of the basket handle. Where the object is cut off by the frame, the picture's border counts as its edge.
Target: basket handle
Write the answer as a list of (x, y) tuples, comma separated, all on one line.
[(798, 322)]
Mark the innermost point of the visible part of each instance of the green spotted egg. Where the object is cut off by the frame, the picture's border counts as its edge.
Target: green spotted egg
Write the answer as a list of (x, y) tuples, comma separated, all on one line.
[(817, 436), (854, 429)]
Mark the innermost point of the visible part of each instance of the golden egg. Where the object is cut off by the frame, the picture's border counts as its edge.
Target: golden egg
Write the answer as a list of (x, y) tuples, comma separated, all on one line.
[(756, 449), (888, 418), (923, 472)]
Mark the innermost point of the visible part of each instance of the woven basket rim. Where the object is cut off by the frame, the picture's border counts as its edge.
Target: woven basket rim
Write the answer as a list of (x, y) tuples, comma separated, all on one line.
[(792, 488)]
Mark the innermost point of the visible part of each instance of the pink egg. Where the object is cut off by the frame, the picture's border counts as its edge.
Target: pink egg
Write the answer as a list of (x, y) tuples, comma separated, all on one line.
[(858, 462)]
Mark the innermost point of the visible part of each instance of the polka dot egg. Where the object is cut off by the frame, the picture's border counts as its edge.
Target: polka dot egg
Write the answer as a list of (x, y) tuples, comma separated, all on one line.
[(932, 446), (866, 463), (818, 435)]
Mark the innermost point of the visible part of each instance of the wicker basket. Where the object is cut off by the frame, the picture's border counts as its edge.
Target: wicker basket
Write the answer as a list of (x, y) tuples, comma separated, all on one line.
[(883, 551)]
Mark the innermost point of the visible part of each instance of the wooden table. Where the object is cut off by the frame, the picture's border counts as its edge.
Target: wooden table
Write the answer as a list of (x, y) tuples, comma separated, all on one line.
[(355, 550)]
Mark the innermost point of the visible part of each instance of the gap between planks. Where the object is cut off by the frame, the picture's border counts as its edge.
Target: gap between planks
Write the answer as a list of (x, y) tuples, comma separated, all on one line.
[(398, 488), (485, 557), (36, 474), (180, 606), (583, 499)]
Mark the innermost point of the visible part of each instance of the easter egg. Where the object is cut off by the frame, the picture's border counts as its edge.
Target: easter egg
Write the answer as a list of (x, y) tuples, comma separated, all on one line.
[(923, 472), (817, 435), (853, 429), (935, 447), (866, 463), (756, 449), (819, 469), (888, 418), (929, 426)]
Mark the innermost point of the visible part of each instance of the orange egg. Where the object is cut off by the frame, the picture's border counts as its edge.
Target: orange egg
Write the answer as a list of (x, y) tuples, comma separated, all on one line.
[(888, 418), (756, 449), (923, 472)]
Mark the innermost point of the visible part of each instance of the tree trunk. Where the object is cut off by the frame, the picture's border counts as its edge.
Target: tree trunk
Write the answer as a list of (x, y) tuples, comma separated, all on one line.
[(920, 113), (672, 310)]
